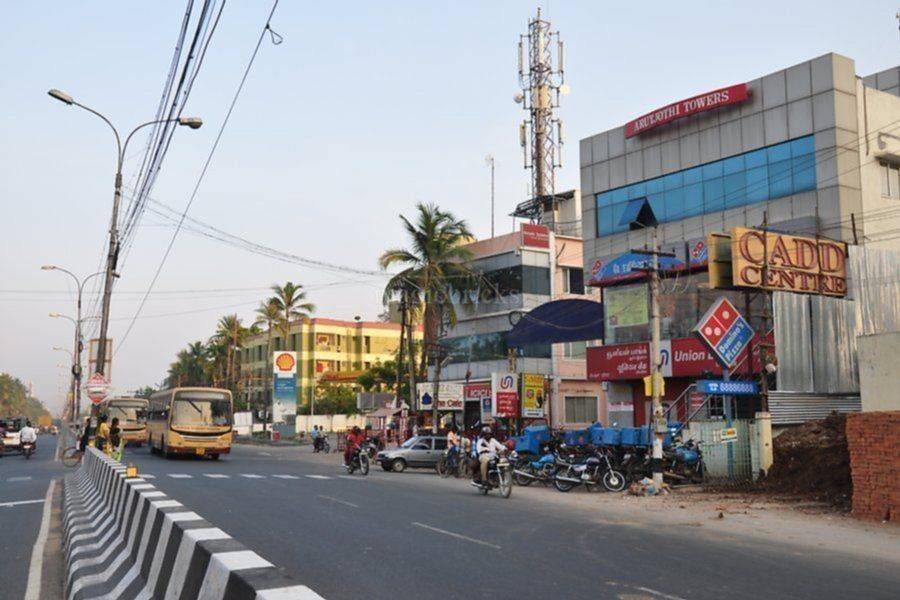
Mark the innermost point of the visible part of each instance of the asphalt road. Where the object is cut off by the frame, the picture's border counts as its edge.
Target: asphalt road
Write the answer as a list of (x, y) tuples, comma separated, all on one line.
[(23, 487), (412, 534)]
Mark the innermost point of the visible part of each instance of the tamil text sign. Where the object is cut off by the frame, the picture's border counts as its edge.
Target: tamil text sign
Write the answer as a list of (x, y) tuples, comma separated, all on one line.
[(505, 394), (789, 263), (725, 331), (536, 236), (684, 108), (532, 395)]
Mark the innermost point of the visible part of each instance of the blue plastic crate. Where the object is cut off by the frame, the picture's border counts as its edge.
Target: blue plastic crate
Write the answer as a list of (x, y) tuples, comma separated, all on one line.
[(579, 437), (611, 437), (630, 436)]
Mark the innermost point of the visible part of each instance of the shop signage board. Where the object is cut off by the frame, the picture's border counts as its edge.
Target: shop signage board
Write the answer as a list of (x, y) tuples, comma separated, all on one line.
[(677, 110), (791, 263), (725, 331), (728, 388), (727, 436), (481, 393), (536, 236), (626, 306), (284, 385), (532, 395), (451, 396), (284, 364), (505, 395)]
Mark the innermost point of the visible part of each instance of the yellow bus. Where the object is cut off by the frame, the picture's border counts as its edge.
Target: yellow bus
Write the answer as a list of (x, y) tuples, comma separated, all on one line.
[(190, 420), (132, 415)]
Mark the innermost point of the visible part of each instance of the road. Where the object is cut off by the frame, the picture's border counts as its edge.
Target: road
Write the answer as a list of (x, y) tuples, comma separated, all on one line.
[(390, 535), (23, 488)]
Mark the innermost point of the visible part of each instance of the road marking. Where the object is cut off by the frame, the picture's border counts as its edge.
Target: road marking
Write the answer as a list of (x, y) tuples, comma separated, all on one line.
[(339, 501), (352, 478), (457, 535), (287, 476), (216, 475), (5, 504), (27, 478), (265, 454), (33, 589), (251, 476), (180, 476), (318, 476), (148, 476)]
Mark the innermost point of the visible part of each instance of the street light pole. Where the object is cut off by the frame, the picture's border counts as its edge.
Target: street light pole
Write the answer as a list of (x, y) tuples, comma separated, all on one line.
[(79, 341), (113, 252)]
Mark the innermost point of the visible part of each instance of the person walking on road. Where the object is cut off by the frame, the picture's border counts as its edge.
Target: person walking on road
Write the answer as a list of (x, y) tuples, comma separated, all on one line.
[(101, 441), (85, 436), (115, 440)]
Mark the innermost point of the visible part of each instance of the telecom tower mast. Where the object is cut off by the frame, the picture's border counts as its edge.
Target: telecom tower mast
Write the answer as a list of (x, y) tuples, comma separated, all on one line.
[(540, 135)]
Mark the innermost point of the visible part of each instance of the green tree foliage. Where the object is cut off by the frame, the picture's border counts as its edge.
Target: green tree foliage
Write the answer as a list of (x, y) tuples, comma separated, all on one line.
[(15, 401), (289, 299), (334, 399)]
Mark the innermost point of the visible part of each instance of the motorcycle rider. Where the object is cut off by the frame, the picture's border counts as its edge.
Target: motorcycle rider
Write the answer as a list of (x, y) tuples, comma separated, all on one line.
[(488, 449), (452, 444), (28, 435), (354, 439)]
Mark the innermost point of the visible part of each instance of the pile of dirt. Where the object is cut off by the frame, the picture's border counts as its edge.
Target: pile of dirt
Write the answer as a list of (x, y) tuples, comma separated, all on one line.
[(811, 462)]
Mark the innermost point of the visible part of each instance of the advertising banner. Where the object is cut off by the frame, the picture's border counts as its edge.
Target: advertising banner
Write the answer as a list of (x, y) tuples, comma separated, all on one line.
[(505, 394), (451, 396), (536, 236), (790, 263), (481, 393), (284, 364), (625, 306), (532, 395), (725, 331), (284, 384)]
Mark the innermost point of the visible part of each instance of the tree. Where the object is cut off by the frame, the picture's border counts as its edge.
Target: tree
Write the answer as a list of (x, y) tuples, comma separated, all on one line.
[(435, 272), (15, 400), (335, 399), (268, 314), (189, 368), (289, 298), (378, 375)]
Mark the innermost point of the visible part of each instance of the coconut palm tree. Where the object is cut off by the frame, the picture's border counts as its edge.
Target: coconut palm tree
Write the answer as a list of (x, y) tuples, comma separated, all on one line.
[(231, 330), (435, 273), (189, 367), (289, 298)]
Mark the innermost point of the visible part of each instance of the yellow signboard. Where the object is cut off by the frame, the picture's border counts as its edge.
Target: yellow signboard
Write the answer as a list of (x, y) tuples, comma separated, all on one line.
[(532, 395), (660, 384), (788, 263)]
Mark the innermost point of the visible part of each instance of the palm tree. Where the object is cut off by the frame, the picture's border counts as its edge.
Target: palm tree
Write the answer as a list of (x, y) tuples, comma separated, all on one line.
[(435, 271), (232, 331), (189, 367), (268, 314), (289, 298)]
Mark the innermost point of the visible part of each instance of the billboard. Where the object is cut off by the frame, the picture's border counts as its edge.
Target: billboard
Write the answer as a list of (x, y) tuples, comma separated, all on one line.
[(505, 394), (93, 348), (284, 384), (536, 236), (451, 396), (532, 395), (684, 108), (481, 393), (725, 331)]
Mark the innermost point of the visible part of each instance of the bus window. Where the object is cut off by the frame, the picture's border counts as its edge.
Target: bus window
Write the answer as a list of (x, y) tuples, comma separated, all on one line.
[(201, 408)]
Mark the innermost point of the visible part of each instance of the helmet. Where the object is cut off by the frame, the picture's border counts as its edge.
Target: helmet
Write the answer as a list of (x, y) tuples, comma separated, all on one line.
[(356, 429), (487, 431)]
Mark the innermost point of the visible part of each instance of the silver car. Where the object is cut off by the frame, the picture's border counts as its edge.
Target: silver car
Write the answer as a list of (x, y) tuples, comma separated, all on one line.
[(419, 451)]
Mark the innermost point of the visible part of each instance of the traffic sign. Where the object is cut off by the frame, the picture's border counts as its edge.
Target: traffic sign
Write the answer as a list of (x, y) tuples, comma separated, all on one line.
[(725, 331), (728, 388), (97, 388)]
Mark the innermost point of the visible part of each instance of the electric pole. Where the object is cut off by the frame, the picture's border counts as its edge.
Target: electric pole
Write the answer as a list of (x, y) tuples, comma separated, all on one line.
[(490, 162)]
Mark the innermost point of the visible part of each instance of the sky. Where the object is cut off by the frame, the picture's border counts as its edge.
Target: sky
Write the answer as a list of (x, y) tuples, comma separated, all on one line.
[(365, 109)]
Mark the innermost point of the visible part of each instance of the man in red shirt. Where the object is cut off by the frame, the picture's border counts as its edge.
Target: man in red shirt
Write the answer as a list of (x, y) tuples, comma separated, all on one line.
[(354, 439)]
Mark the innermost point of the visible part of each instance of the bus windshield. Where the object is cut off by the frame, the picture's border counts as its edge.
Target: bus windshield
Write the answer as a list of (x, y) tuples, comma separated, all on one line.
[(131, 413), (201, 409)]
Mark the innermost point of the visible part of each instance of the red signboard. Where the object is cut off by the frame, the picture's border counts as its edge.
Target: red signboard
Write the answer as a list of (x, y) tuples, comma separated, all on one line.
[(677, 110), (474, 392), (620, 361), (536, 236)]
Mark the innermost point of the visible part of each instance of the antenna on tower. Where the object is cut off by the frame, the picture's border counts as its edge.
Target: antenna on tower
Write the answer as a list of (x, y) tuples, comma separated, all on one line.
[(541, 77)]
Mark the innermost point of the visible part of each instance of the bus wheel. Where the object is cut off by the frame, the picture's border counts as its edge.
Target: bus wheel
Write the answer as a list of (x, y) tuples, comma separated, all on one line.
[(165, 449), (215, 456)]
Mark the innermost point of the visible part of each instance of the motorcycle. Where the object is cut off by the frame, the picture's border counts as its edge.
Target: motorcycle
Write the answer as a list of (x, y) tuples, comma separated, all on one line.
[(27, 449), (594, 471), (452, 464), (499, 477), (359, 461), (684, 463), (543, 469), (321, 445)]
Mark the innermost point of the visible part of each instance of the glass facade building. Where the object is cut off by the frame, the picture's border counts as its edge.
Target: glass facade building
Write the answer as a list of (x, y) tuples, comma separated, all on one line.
[(765, 174)]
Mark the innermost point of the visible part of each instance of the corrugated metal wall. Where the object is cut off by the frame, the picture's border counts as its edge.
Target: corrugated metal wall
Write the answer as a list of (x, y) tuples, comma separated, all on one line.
[(791, 408)]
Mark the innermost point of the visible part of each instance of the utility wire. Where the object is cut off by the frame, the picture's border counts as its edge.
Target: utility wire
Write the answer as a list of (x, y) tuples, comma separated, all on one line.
[(202, 175)]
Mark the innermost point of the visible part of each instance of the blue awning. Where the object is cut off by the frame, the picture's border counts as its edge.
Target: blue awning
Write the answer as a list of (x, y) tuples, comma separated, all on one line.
[(569, 320)]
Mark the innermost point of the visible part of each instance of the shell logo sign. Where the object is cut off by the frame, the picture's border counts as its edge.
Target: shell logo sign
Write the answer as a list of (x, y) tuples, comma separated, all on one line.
[(284, 363)]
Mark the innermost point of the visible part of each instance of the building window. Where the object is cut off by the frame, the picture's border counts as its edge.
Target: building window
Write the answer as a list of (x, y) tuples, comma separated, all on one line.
[(488, 346), (581, 409), (764, 174), (890, 180), (573, 281), (575, 350), (367, 344)]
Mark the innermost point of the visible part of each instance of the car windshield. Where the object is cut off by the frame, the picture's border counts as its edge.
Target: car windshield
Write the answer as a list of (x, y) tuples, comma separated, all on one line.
[(201, 409), (413, 441), (128, 413)]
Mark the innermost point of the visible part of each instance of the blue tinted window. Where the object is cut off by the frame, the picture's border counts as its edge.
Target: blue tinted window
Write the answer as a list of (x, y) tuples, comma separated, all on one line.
[(694, 175), (658, 204), (674, 204), (735, 189), (712, 170), (757, 158), (638, 190), (672, 181), (757, 184), (803, 169), (655, 185), (778, 152), (617, 211), (780, 179), (604, 221), (604, 199), (693, 200), (802, 146), (713, 195), (619, 195), (735, 164)]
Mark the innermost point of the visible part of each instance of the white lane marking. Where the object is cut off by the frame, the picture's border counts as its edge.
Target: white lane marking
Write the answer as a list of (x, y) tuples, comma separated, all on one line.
[(295, 592), (352, 477), (318, 476), (5, 504), (265, 454), (180, 476), (339, 501), (148, 476), (658, 594), (216, 475), (27, 478), (458, 536), (287, 476), (33, 589), (251, 476)]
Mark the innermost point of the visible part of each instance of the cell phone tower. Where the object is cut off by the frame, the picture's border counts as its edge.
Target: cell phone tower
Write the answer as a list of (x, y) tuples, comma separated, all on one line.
[(540, 135)]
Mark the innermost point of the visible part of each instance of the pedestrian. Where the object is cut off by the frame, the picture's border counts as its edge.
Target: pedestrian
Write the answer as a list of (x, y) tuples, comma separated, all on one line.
[(101, 441), (85, 435), (115, 440)]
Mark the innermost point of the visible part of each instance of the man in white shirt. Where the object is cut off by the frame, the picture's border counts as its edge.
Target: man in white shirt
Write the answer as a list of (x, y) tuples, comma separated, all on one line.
[(488, 448), (28, 434)]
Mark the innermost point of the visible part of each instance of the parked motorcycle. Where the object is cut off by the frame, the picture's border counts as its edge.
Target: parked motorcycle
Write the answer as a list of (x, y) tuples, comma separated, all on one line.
[(594, 471), (499, 477), (684, 463), (359, 461), (543, 469)]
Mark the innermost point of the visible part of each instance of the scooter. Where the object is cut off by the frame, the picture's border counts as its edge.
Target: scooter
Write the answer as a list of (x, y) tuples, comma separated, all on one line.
[(499, 477), (27, 449)]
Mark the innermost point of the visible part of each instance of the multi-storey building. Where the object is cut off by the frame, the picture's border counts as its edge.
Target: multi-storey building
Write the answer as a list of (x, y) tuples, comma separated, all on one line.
[(328, 350)]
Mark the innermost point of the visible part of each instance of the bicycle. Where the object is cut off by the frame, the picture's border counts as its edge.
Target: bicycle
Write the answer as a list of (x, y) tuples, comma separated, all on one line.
[(71, 456)]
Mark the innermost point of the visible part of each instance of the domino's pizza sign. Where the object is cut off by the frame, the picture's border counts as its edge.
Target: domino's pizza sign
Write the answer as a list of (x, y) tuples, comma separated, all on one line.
[(725, 331)]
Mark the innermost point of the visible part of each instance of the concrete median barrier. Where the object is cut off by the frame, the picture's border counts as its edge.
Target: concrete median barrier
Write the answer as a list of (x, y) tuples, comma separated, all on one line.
[(123, 538)]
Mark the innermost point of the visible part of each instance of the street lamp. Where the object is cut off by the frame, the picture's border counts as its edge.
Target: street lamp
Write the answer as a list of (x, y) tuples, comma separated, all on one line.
[(112, 255)]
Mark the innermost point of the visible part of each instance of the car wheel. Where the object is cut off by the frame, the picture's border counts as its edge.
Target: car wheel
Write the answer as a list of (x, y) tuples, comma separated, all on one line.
[(398, 465), (386, 466)]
